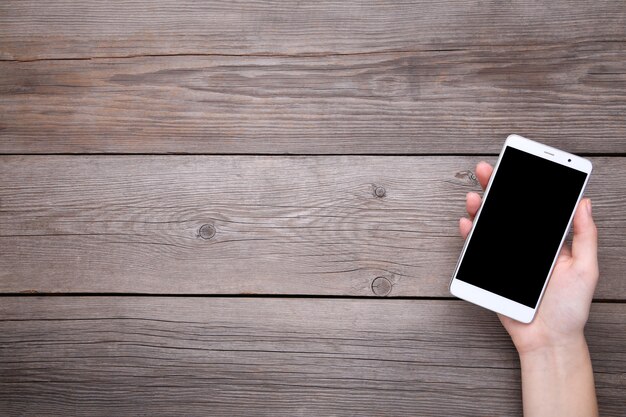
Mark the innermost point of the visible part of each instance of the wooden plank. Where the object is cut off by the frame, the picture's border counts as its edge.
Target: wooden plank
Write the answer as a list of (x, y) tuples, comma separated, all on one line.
[(65, 29), (288, 225), (273, 357), (462, 101)]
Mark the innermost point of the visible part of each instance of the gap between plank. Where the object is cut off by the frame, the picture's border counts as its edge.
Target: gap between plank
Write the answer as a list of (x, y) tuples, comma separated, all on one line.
[(320, 155), (300, 296)]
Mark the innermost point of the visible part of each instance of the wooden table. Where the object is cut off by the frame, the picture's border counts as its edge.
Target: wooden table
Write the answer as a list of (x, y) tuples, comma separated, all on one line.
[(250, 208)]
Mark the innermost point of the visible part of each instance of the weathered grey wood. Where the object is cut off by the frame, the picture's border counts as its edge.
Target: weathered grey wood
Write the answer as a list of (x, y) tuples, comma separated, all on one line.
[(273, 357), (461, 101), (288, 225), (65, 29)]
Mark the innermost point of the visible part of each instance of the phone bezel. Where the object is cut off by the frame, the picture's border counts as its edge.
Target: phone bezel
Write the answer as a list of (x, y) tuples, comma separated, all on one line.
[(495, 302)]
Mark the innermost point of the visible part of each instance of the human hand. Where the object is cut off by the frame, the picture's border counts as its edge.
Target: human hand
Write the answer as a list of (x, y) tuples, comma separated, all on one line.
[(563, 312)]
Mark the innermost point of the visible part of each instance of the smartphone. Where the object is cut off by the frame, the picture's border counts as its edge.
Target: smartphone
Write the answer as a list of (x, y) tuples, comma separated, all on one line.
[(518, 231)]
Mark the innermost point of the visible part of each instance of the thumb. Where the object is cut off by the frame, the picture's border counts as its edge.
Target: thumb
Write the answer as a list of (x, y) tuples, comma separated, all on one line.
[(585, 241)]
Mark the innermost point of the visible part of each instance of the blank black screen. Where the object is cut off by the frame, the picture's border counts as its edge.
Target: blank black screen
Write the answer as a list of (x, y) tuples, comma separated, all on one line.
[(521, 226)]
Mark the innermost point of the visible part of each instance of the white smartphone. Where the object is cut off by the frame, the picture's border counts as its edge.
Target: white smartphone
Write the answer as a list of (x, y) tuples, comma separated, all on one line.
[(517, 234)]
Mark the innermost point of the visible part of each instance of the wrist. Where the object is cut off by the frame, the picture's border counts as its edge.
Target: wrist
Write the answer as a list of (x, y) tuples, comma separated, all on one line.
[(565, 351), (557, 380), (547, 340)]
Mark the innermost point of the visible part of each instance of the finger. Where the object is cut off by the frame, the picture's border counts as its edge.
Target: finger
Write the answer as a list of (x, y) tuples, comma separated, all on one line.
[(505, 320), (465, 225), (472, 203), (565, 251), (483, 172), (585, 241)]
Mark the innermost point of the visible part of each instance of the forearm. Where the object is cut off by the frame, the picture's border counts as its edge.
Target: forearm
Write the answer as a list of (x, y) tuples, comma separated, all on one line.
[(558, 381)]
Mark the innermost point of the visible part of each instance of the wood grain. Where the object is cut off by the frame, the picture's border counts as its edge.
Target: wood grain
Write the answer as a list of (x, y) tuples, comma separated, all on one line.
[(288, 225), (460, 101), (63, 29), (264, 77), (94, 356)]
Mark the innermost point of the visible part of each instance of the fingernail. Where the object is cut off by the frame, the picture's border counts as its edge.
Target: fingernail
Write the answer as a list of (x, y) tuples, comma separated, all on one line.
[(589, 206)]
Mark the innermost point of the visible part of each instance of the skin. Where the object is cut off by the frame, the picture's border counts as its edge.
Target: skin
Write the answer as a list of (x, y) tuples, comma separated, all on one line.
[(557, 378)]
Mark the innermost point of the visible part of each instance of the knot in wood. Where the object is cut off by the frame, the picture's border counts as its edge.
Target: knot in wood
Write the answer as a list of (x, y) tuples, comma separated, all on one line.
[(207, 231), (467, 176), (381, 286), (380, 192)]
